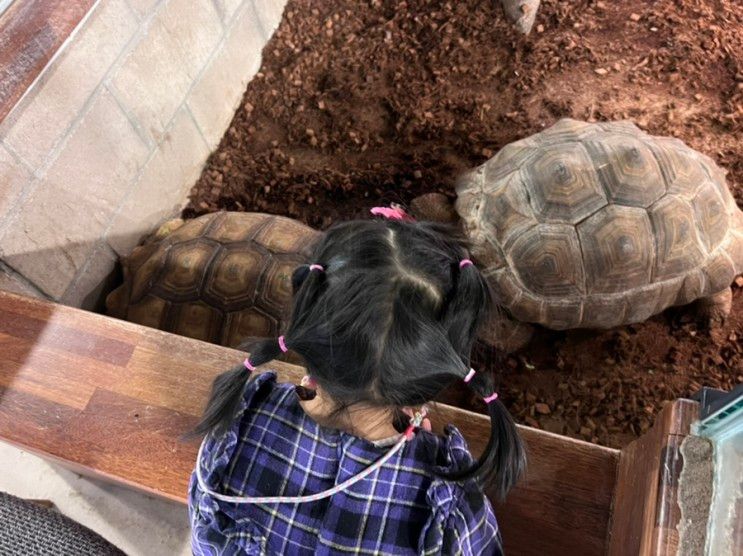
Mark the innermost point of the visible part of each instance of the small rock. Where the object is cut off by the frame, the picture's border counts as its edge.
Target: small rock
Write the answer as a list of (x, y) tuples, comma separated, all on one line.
[(540, 28), (739, 281), (531, 422), (601, 71), (635, 17), (542, 408)]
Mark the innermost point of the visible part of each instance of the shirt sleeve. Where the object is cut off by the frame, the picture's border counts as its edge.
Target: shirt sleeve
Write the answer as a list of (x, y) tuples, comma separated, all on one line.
[(212, 533), (462, 522)]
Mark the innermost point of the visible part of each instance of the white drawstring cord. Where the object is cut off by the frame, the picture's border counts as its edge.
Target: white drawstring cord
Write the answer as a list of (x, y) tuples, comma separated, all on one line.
[(415, 422)]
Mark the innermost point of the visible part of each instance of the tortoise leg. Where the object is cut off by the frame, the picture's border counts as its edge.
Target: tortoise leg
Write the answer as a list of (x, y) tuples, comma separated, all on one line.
[(716, 308), (506, 334)]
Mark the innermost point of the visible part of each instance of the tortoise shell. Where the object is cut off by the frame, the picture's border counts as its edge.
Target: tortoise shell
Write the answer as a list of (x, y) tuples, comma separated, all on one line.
[(222, 277), (597, 225)]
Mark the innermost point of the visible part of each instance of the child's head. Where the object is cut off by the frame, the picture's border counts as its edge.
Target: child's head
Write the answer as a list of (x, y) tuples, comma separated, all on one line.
[(390, 321)]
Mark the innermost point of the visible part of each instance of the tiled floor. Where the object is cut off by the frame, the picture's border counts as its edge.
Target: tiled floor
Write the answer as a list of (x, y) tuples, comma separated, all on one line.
[(138, 524)]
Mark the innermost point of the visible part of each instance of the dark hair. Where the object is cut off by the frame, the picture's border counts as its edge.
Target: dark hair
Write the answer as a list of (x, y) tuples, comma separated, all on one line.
[(390, 322)]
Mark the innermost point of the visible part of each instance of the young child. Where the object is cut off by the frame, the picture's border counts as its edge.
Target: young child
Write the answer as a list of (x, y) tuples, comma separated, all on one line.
[(384, 318)]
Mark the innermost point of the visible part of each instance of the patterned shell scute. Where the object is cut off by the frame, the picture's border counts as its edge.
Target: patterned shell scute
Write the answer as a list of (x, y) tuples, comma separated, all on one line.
[(221, 277), (184, 269), (596, 225), (682, 173), (562, 184), (565, 131), (711, 214), (544, 259), (507, 210), (627, 169), (232, 281), (509, 159), (679, 247), (617, 246)]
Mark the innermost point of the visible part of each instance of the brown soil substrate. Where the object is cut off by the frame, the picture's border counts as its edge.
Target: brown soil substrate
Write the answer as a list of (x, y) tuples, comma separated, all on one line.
[(363, 103)]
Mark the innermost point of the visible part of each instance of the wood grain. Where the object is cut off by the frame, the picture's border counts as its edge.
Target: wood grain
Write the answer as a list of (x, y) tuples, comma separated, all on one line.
[(646, 511), (111, 399), (31, 31)]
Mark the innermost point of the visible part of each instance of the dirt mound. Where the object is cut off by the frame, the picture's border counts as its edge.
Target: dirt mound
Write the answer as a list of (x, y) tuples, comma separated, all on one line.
[(362, 103)]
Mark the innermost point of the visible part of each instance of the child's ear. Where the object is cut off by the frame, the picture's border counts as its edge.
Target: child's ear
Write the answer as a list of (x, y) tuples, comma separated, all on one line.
[(299, 276)]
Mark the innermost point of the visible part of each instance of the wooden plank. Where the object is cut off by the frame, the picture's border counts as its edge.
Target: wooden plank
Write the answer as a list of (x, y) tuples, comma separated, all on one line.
[(570, 513), (646, 511), (141, 389), (31, 32)]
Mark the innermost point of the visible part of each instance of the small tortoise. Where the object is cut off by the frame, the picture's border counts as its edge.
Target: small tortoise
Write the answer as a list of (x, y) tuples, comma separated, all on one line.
[(597, 225), (223, 277)]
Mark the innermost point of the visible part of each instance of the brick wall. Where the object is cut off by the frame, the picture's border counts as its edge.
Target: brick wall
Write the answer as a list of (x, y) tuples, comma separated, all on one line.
[(109, 139)]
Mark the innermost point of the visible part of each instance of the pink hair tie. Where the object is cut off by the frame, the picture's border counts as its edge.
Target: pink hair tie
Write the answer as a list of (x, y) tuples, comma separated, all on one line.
[(392, 213), (491, 398), (316, 267), (465, 262), (470, 375), (249, 365), (282, 344)]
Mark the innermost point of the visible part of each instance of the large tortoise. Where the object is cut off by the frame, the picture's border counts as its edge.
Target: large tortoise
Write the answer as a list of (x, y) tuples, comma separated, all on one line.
[(598, 225), (223, 277)]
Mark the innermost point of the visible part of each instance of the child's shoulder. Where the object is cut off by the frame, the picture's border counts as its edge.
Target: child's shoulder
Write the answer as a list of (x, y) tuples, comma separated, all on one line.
[(264, 392)]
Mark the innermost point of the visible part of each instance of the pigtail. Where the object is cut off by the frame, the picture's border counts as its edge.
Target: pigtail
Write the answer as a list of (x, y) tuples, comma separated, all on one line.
[(503, 460), (228, 387)]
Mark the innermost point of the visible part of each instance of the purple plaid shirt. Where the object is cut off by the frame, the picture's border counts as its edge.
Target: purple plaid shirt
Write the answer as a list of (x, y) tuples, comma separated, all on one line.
[(274, 448)]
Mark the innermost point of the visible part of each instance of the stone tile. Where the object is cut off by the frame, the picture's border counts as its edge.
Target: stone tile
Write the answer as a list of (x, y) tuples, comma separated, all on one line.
[(154, 79), (102, 157), (11, 282), (195, 27), (13, 179), (96, 279), (64, 217), (163, 185), (216, 96), (143, 8), (41, 121), (227, 8), (51, 238), (269, 14)]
